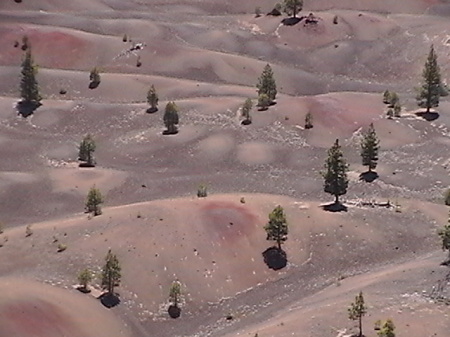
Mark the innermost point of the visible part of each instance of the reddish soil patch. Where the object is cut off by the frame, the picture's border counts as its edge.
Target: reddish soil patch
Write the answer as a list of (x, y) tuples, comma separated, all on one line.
[(227, 221), (38, 319)]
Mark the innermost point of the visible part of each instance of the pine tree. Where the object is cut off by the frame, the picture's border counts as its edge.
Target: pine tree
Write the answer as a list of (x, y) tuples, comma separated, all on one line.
[(86, 150), (175, 293), (94, 77), (246, 108), (171, 118), (387, 330), (263, 102), (386, 97), (335, 174), (308, 121), (152, 99), (84, 278), (292, 7), (277, 227), (111, 273), (444, 234), (357, 310), (369, 148), (266, 83), (29, 90), (93, 201), (432, 87)]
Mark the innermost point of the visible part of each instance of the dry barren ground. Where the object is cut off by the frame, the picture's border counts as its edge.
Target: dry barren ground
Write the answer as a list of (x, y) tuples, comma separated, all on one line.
[(207, 56)]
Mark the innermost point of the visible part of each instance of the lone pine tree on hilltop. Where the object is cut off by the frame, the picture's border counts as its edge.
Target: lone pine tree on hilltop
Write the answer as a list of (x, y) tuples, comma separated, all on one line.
[(266, 84), (369, 148), (277, 227), (432, 88), (29, 89), (292, 7), (335, 174), (357, 310)]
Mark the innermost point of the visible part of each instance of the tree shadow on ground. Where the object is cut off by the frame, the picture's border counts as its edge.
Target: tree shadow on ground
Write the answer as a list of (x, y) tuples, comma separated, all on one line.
[(334, 207), (83, 290), (109, 300), (291, 21), (93, 85), (174, 311), (26, 109), (368, 176), (275, 258), (167, 132), (428, 116), (151, 110), (84, 164)]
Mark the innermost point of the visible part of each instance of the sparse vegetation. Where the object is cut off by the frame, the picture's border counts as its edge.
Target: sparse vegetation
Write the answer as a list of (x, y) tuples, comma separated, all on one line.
[(357, 311), (86, 151), (277, 227), (125, 38), (202, 191), (61, 247), (263, 102), (93, 201), (28, 231), (447, 197), (152, 99), (258, 12), (84, 278), (432, 88), (308, 121), (387, 329), (266, 85), (444, 234), (29, 89), (94, 77), (174, 298), (25, 43), (246, 108), (171, 118), (292, 7), (335, 174), (111, 273), (369, 148)]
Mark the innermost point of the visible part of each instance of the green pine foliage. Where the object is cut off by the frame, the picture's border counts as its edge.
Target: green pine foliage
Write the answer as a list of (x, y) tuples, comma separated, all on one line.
[(84, 278), (86, 150), (263, 102), (29, 89), (111, 273), (246, 108), (432, 88), (171, 118), (292, 7), (152, 99), (444, 234), (277, 227), (266, 84), (369, 148), (387, 329), (175, 293), (335, 173), (357, 311), (93, 201)]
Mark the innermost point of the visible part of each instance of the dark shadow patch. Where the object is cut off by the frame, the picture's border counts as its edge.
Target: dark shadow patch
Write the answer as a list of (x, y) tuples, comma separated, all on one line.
[(93, 85), (291, 21), (83, 290), (167, 132), (26, 109), (246, 122), (275, 258), (151, 110), (334, 207), (86, 165), (428, 116), (109, 300), (368, 176), (174, 311), (263, 108), (274, 12)]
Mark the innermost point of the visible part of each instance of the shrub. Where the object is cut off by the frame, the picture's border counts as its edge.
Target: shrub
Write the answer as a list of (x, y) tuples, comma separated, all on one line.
[(28, 231), (447, 197), (202, 191), (61, 247)]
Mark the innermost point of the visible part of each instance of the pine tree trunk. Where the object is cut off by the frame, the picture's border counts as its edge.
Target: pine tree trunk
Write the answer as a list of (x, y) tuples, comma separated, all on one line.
[(360, 326), (336, 199), (279, 244)]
